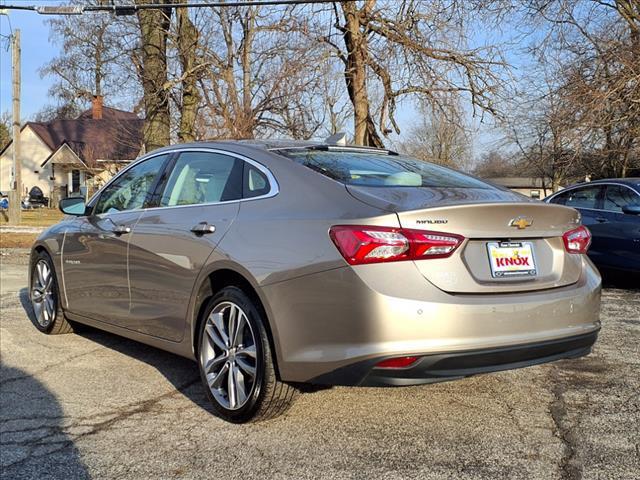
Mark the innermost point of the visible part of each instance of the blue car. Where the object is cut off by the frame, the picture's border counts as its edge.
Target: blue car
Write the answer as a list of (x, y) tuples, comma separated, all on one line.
[(610, 208)]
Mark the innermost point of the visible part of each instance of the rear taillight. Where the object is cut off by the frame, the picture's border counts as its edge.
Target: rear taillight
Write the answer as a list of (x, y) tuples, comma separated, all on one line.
[(360, 244), (577, 240)]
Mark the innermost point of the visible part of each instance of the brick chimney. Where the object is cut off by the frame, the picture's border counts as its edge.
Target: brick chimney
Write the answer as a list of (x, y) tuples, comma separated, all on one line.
[(96, 107)]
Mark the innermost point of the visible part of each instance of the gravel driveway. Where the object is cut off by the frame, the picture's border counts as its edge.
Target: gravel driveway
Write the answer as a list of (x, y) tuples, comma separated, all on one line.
[(93, 405)]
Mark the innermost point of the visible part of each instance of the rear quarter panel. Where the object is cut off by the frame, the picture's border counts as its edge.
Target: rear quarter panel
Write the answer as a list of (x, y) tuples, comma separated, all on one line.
[(278, 239), (287, 235)]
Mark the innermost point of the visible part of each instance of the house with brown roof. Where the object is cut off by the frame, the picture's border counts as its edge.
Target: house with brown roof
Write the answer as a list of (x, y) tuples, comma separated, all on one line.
[(74, 157)]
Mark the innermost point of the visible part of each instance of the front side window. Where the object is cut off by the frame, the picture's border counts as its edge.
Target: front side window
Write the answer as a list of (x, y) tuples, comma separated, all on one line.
[(203, 177), (129, 191), (579, 198), (372, 169), (617, 196)]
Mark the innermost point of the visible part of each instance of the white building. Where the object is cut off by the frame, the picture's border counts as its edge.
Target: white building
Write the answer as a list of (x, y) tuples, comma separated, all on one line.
[(68, 157), (533, 187)]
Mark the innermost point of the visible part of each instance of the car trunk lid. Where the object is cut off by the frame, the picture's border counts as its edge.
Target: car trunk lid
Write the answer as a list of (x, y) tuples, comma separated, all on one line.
[(485, 216)]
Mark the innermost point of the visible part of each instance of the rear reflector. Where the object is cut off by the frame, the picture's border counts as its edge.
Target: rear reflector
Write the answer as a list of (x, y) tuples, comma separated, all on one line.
[(361, 244), (577, 240), (398, 362)]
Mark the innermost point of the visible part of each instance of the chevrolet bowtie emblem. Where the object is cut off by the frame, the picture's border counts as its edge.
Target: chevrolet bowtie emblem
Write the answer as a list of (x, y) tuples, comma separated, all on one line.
[(521, 222)]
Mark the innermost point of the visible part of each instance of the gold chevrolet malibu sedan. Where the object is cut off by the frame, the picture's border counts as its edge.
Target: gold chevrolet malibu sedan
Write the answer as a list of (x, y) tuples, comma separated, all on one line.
[(275, 264)]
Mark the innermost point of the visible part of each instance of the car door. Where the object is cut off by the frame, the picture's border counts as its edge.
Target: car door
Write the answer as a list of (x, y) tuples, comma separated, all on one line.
[(620, 232), (196, 203), (587, 200), (94, 252)]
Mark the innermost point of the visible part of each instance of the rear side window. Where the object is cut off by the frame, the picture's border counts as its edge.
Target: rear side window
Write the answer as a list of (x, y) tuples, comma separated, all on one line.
[(579, 198), (381, 170), (255, 182), (617, 196), (203, 177)]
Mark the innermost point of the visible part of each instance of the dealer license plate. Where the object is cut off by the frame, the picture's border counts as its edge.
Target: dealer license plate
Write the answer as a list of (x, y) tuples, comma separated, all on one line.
[(508, 259)]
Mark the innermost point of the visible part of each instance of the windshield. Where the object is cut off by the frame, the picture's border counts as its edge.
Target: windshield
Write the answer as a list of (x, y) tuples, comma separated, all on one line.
[(374, 169)]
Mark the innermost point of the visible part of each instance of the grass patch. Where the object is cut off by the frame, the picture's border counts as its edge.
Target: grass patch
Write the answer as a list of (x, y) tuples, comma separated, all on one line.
[(38, 217), (17, 240)]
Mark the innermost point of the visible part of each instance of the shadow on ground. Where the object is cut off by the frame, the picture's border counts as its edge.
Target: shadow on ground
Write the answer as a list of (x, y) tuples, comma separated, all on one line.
[(615, 279), (181, 372), (33, 442)]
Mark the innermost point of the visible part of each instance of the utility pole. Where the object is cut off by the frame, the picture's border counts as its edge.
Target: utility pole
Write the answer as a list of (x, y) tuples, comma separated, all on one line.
[(15, 198)]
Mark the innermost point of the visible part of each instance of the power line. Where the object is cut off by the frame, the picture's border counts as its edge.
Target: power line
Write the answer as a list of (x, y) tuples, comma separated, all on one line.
[(131, 9)]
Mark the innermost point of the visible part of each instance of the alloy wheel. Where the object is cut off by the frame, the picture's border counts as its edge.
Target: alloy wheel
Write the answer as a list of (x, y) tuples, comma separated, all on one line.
[(228, 355), (42, 294)]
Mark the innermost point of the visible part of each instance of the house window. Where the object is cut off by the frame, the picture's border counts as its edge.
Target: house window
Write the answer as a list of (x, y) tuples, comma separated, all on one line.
[(75, 180)]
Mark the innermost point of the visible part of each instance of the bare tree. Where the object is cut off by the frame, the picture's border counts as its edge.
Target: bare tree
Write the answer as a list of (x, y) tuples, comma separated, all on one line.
[(541, 129), (154, 27), (593, 49), (93, 59), (409, 48), (440, 136), (188, 49), (333, 101), (61, 111), (169, 65), (322, 108), (495, 164), (5, 129), (261, 73)]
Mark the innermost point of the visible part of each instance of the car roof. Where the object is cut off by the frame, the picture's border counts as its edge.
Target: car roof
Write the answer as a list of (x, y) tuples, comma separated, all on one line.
[(627, 181), (274, 144), (633, 182), (270, 145)]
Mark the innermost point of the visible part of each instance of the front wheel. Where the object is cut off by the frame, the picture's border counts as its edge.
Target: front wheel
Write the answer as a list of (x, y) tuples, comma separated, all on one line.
[(45, 299), (236, 365)]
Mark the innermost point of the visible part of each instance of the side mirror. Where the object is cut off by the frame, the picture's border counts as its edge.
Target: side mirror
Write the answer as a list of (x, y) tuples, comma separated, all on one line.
[(73, 206), (631, 209)]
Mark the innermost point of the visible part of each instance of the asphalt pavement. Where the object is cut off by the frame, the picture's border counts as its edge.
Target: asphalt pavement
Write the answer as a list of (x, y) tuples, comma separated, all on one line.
[(94, 405)]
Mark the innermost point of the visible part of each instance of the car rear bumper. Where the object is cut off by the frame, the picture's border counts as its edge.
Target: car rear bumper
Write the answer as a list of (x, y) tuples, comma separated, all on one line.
[(333, 320), (432, 368)]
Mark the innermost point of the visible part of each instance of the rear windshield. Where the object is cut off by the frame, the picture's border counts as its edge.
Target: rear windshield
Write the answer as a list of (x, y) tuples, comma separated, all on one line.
[(381, 170)]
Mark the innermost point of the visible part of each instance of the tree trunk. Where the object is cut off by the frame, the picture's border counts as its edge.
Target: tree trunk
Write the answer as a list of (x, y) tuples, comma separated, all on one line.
[(97, 91), (247, 44), (187, 45), (154, 26), (355, 75)]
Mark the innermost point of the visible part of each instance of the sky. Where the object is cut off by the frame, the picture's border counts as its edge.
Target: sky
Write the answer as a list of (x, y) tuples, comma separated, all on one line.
[(38, 50)]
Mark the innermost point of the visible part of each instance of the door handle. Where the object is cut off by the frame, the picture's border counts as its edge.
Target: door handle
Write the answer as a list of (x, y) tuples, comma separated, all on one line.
[(601, 219), (203, 228), (121, 229)]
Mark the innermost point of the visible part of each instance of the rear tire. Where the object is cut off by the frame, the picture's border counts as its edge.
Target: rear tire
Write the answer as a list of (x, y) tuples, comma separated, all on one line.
[(45, 297), (235, 360)]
